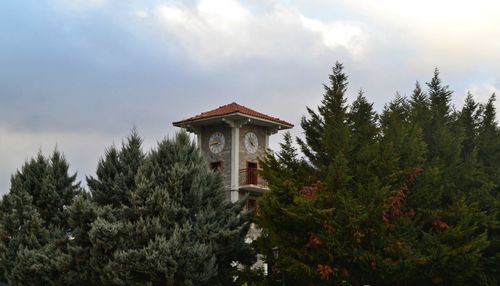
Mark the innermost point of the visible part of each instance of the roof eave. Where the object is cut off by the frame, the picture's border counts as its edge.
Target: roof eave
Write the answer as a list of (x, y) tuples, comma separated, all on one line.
[(279, 124)]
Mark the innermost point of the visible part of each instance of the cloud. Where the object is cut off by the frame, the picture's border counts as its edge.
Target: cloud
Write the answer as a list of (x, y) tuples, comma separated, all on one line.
[(141, 14), (483, 91), (222, 31), (81, 149), (459, 35), (74, 70)]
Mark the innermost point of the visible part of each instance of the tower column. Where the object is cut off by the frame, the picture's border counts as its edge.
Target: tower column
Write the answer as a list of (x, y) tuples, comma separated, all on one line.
[(235, 162), (198, 140)]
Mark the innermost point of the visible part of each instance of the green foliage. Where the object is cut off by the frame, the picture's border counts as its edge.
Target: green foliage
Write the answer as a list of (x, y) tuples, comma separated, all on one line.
[(184, 231), (33, 220), (156, 219), (405, 198)]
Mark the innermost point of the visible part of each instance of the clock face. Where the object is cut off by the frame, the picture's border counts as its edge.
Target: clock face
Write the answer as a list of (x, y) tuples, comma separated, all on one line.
[(216, 142), (251, 142)]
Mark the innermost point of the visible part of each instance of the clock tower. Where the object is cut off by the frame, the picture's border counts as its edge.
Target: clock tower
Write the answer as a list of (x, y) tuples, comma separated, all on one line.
[(233, 138)]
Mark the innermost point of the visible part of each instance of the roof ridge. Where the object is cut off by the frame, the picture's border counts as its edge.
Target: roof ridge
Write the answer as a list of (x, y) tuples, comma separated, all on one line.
[(234, 107)]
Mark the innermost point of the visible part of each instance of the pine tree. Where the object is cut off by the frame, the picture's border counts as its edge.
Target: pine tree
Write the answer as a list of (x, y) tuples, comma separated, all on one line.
[(488, 136), (327, 132), (489, 156), (326, 218), (470, 121), (420, 105), (364, 131), (33, 220), (185, 232), (395, 202), (108, 206), (116, 173)]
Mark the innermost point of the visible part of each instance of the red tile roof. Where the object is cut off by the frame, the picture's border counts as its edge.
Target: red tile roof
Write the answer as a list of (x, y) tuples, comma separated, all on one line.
[(234, 108)]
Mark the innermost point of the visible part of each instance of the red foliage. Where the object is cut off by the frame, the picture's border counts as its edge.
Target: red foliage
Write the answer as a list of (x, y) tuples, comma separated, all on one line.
[(324, 271), (314, 241), (328, 227), (308, 192), (373, 264), (440, 224), (397, 201)]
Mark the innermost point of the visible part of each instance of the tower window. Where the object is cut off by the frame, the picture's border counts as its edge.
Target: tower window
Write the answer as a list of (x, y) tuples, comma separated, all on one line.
[(216, 166)]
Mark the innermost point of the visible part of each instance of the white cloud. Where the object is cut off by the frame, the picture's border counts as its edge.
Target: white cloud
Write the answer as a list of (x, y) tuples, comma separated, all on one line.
[(448, 33), (338, 34), (218, 31), (483, 91), (141, 14)]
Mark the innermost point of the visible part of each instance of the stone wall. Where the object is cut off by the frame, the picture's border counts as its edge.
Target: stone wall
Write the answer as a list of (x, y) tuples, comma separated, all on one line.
[(224, 156), (261, 150)]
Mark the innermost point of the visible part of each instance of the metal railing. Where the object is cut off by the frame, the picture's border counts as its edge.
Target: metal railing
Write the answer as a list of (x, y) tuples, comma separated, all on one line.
[(250, 176)]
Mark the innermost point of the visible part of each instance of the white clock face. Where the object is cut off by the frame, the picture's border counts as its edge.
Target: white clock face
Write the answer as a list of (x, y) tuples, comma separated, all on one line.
[(216, 142), (251, 142)]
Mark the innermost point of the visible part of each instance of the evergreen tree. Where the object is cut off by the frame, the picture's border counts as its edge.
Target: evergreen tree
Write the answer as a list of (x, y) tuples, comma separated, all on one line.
[(185, 232), (470, 121), (326, 218), (33, 220), (327, 132), (116, 173), (362, 121), (395, 202), (419, 103), (107, 208), (488, 138), (489, 156)]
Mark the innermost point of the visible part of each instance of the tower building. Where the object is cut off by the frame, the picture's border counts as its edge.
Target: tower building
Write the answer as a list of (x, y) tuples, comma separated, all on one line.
[(233, 138)]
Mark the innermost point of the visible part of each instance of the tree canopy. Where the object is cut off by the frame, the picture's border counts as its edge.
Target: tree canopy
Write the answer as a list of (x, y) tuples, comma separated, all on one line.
[(405, 197)]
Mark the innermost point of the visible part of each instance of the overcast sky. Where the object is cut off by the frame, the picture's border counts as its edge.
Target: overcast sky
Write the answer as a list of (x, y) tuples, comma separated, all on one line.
[(80, 73)]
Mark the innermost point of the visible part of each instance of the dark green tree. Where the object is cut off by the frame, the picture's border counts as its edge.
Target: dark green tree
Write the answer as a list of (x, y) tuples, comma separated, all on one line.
[(97, 218), (419, 107), (33, 221), (116, 173), (389, 202), (185, 231)]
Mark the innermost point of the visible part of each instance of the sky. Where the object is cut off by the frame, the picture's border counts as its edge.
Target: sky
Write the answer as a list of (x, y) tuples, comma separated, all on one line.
[(77, 75)]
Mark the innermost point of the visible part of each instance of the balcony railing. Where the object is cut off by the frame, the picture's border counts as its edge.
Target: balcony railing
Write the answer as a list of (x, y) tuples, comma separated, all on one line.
[(251, 177)]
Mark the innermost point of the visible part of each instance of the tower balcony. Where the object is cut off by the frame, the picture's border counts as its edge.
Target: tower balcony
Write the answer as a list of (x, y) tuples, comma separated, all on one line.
[(251, 181)]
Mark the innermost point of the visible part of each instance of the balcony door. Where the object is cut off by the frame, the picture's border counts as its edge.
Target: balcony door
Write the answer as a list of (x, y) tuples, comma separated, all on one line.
[(251, 173)]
